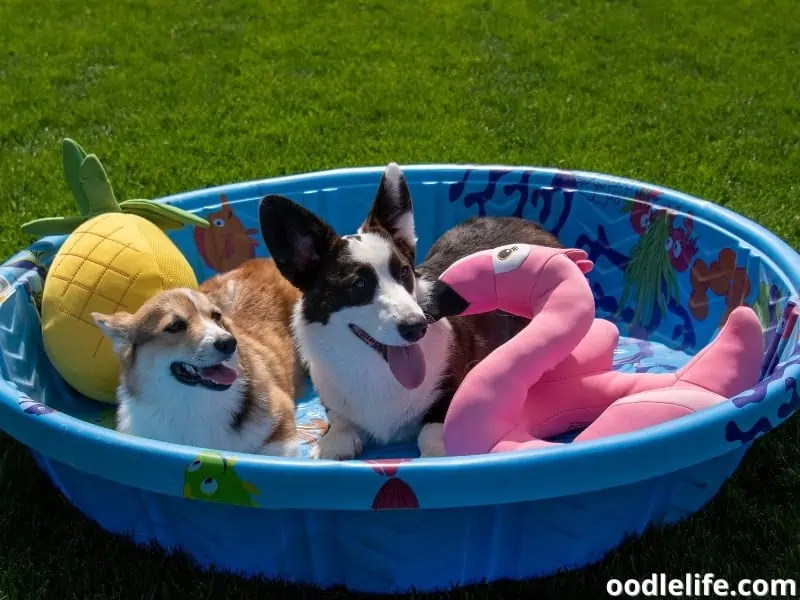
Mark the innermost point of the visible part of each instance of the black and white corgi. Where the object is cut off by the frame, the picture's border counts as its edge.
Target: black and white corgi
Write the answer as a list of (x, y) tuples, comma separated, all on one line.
[(384, 369)]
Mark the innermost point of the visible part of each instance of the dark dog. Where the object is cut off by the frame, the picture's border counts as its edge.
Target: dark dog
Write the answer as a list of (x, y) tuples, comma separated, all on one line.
[(384, 368)]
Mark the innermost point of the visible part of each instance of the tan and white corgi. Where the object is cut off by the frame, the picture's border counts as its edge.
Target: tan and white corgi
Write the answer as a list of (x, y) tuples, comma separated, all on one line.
[(215, 368)]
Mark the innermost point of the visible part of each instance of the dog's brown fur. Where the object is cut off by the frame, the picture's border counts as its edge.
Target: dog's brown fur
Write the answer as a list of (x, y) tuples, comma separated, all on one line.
[(254, 304), (257, 302)]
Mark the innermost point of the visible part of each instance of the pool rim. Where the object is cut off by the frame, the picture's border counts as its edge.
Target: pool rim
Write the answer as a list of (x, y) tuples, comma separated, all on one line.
[(536, 474)]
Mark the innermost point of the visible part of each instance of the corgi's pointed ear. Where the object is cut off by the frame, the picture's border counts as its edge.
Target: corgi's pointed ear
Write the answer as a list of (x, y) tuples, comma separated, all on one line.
[(392, 212), (115, 327), (296, 238)]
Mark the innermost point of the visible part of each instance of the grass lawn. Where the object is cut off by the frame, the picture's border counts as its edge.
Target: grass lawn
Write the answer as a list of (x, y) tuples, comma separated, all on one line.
[(702, 96)]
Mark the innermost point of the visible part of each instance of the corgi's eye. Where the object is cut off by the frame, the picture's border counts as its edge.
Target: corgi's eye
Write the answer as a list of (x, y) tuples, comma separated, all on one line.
[(360, 285), (176, 326), (406, 277), (216, 316)]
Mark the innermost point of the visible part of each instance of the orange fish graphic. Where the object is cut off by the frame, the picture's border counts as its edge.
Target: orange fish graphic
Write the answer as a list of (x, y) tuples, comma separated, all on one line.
[(226, 244)]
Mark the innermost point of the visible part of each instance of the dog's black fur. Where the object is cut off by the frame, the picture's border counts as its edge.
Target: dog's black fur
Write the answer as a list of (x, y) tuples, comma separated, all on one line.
[(316, 260), (475, 336)]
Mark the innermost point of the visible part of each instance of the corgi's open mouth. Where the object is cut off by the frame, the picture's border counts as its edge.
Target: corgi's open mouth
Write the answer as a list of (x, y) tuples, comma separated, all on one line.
[(369, 340), (214, 377), (407, 363)]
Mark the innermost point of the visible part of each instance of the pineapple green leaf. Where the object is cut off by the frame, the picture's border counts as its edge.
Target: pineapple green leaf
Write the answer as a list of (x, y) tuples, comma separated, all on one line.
[(163, 223), (97, 187), (165, 213), (54, 225), (72, 157), (91, 188)]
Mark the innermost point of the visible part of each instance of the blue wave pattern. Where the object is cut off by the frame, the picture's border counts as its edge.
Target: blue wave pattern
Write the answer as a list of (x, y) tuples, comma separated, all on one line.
[(597, 217), (580, 211), (602, 227), (535, 527), (778, 396), (27, 269)]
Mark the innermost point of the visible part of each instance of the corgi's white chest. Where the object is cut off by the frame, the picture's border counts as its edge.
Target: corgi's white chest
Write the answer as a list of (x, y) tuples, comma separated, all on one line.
[(197, 417), (355, 382)]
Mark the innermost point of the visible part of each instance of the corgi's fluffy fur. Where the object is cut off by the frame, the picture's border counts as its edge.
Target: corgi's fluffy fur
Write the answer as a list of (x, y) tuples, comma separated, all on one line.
[(215, 368), (383, 371)]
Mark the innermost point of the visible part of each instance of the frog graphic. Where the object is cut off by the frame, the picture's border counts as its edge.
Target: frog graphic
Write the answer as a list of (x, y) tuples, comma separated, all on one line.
[(211, 476)]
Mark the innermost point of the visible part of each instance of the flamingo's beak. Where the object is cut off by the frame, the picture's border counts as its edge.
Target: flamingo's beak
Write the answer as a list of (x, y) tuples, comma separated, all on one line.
[(443, 302)]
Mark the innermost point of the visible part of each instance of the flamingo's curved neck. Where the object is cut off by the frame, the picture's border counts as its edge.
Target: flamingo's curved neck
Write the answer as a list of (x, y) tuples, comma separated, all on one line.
[(555, 295)]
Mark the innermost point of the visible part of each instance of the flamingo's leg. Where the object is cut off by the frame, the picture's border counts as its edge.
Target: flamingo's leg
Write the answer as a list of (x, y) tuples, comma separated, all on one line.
[(647, 409), (729, 365), (520, 439)]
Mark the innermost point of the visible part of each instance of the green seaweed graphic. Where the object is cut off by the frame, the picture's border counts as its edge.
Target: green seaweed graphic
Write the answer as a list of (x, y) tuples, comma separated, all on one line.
[(649, 278), (761, 305)]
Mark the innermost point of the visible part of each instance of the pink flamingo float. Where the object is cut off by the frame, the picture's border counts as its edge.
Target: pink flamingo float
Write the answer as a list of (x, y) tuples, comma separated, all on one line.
[(556, 374)]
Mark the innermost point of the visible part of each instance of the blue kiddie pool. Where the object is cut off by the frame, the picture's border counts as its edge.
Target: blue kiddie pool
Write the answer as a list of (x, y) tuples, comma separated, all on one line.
[(392, 522)]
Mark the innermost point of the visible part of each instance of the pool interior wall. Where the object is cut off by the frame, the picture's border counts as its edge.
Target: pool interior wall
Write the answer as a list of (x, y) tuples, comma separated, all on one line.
[(668, 269)]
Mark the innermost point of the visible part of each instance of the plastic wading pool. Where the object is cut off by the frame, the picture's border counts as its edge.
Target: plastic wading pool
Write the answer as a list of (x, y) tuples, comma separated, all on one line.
[(388, 522)]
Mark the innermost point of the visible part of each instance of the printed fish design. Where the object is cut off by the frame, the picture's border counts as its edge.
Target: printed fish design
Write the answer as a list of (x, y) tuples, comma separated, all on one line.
[(211, 477), (226, 244)]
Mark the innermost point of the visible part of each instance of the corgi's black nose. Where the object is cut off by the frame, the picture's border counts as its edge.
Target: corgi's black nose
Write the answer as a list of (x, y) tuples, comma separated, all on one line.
[(226, 344), (412, 331)]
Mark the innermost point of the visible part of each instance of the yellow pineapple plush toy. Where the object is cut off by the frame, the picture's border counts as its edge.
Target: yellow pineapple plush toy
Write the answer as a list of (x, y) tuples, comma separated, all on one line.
[(115, 258)]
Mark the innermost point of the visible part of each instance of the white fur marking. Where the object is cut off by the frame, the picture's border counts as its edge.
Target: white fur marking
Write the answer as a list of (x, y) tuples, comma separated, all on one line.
[(352, 379), (170, 411), (392, 303), (405, 228), (342, 441), (431, 441), (191, 297)]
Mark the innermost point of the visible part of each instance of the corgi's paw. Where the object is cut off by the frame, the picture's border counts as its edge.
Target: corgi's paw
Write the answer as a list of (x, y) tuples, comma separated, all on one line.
[(288, 448), (431, 441), (339, 443)]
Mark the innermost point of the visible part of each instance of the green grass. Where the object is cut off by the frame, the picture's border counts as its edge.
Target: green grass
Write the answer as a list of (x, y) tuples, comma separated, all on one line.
[(696, 95)]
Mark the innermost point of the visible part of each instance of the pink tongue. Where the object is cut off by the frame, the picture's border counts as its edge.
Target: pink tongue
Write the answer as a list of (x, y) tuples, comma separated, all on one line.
[(220, 374), (407, 364)]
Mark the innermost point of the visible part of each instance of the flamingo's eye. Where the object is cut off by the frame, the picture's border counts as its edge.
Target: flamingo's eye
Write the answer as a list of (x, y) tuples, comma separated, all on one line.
[(508, 258)]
